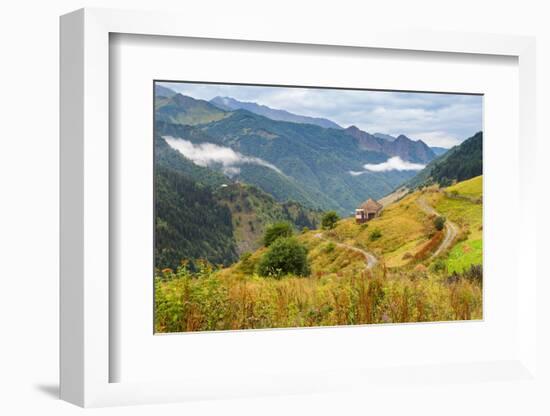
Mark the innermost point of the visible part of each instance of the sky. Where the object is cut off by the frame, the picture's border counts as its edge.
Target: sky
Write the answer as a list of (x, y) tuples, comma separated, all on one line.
[(442, 120)]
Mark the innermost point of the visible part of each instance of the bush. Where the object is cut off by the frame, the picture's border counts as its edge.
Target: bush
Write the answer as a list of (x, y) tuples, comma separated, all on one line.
[(305, 230), (474, 274), (285, 256), (275, 231), (329, 220), (439, 266), (375, 234), (329, 248), (247, 265), (439, 223)]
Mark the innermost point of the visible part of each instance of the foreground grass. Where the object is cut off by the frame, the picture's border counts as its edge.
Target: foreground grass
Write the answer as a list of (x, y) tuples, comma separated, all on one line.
[(210, 300)]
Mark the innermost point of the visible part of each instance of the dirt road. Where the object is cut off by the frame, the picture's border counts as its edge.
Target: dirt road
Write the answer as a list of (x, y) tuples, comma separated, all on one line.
[(370, 260), (451, 229)]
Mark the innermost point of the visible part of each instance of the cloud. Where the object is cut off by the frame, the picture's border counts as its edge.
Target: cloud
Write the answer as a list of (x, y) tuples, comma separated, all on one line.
[(393, 163), (454, 117), (208, 154)]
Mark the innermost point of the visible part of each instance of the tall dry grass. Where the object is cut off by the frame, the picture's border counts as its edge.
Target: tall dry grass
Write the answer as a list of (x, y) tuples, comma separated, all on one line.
[(210, 300)]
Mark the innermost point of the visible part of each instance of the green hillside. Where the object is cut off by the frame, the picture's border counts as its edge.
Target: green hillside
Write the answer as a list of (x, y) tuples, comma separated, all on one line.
[(181, 109), (408, 284), (462, 162), (190, 223), (203, 214), (253, 210), (462, 204)]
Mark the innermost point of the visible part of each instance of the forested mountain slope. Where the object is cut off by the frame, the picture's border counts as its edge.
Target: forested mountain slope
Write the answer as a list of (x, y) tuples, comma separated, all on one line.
[(462, 162)]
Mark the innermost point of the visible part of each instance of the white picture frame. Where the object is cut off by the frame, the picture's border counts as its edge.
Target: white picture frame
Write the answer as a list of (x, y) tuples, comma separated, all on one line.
[(85, 352)]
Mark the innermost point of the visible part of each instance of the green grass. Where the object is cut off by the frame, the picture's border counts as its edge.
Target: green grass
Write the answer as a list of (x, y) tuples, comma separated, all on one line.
[(466, 214), (465, 254), (472, 188)]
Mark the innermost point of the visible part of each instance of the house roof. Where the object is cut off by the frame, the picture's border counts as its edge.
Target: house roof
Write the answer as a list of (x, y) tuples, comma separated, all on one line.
[(370, 205)]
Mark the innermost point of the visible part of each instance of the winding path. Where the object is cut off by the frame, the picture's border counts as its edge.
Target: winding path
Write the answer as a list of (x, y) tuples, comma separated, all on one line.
[(370, 260), (451, 229)]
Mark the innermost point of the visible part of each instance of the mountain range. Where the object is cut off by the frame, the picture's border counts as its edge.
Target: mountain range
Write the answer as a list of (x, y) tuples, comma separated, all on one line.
[(226, 169), (313, 163), (231, 104)]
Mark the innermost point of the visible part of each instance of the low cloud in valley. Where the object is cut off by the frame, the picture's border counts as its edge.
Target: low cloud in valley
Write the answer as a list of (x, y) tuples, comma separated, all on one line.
[(393, 163), (210, 154)]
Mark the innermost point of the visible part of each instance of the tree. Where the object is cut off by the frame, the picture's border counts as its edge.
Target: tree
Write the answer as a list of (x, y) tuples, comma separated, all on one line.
[(439, 223), (275, 231), (329, 220), (284, 256)]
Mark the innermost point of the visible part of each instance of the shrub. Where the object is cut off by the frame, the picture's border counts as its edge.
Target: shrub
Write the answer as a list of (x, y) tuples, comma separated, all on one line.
[(247, 265), (305, 230), (275, 231), (439, 266), (329, 248), (474, 274), (285, 256), (329, 220), (375, 234), (439, 223)]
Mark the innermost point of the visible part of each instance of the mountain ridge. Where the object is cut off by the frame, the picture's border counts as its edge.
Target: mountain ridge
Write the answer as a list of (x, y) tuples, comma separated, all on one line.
[(461, 162), (318, 159), (231, 104), (410, 150)]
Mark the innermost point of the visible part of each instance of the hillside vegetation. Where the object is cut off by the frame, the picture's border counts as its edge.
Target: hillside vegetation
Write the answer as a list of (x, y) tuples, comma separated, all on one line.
[(180, 109), (462, 204), (190, 223), (460, 163), (406, 285), (252, 210), (202, 214)]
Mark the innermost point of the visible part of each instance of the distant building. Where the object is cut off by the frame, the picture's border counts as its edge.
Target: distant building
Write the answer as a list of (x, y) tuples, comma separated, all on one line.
[(367, 211)]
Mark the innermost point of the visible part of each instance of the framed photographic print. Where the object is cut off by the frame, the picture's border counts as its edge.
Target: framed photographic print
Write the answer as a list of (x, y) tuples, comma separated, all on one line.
[(269, 218), (282, 213)]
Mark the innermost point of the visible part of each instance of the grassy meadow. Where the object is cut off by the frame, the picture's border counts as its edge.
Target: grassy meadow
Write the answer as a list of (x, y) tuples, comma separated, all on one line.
[(407, 284)]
